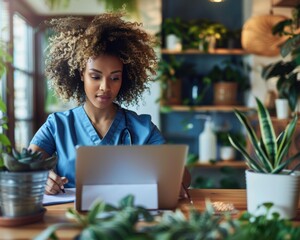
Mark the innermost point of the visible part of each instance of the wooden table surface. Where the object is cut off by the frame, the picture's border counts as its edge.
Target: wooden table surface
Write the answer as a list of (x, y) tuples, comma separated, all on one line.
[(56, 213)]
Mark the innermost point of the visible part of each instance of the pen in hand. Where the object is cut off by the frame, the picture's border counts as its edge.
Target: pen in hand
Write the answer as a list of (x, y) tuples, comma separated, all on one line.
[(187, 194), (55, 184)]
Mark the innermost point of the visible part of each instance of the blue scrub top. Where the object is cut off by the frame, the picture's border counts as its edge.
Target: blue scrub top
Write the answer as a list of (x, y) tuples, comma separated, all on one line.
[(63, 131)]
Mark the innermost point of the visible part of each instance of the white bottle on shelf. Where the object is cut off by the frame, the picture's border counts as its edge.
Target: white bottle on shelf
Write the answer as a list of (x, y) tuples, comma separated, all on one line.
[(207, 143)]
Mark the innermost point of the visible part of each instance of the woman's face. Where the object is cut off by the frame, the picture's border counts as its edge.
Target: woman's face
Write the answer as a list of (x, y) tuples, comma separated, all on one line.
[(102, 79)]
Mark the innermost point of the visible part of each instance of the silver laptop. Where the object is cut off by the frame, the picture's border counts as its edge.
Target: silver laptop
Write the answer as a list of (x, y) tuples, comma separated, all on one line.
[(137, 164)]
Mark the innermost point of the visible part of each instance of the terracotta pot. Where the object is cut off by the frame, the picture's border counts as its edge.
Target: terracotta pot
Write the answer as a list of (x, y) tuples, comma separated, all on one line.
[(225, 93), (172, 94)]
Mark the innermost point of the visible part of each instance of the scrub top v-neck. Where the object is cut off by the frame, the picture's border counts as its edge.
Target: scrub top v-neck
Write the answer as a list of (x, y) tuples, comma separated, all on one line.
[(63, 131)]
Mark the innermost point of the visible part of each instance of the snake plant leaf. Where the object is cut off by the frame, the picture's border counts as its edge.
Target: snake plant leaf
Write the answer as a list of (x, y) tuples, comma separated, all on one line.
[(283, 154), (284, 143), (254, 140), (267, 131), (284, 164), (249, 160), (295, 168)]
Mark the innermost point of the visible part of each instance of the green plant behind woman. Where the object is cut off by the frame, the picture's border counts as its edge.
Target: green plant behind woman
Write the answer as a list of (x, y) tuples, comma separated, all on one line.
[(4, 141)]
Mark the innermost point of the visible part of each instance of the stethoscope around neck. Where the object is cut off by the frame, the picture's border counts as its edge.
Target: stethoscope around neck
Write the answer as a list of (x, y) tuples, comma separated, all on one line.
[(125, 135)]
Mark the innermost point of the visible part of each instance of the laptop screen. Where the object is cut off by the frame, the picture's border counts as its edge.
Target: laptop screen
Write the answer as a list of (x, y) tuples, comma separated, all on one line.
[(130, 165)]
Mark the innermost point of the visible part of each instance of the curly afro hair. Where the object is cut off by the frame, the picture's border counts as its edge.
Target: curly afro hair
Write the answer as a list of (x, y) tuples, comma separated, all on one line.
[(77, 39)]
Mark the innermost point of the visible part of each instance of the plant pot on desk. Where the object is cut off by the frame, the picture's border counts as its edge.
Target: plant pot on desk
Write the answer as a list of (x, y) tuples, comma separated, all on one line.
[(280, 189), (21, 193)]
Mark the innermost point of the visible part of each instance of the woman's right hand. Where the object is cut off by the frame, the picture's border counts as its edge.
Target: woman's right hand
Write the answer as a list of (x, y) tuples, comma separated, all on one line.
[(55, 183)]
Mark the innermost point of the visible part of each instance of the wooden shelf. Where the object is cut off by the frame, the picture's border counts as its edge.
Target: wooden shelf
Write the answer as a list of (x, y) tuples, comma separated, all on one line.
[(218, 51), (213, 108), (285, 3), (233, 164)]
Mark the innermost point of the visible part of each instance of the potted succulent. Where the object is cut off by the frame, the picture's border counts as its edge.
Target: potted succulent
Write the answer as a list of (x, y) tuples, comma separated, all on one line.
[(286, 71), (229, 77), (22, 182), (268, 178)]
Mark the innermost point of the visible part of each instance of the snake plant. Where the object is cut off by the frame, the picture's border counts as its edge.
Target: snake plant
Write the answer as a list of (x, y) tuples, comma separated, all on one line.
[(270, 151), (27, 160)]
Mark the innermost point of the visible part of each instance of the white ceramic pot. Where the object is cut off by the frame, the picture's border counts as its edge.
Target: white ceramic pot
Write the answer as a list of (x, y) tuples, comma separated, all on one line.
[(280, 189), (282, 108), (227, 153), (173, 42)]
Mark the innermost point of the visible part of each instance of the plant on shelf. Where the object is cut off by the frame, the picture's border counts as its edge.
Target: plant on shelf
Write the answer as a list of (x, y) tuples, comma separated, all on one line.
[(173, 32), (287, 70), (229, 78), (269, 164), (170, 73), (203, 34)]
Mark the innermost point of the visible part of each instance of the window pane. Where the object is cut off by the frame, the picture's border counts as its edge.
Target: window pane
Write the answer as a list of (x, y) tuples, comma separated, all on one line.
[(23, 134), (23, 95), (22, 44)]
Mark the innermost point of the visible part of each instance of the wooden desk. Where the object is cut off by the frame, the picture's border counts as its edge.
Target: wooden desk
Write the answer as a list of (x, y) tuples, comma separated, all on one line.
[(56, 213)]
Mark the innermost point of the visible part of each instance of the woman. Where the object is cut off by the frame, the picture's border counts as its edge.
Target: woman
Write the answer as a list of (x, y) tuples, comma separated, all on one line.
[(101, 64)]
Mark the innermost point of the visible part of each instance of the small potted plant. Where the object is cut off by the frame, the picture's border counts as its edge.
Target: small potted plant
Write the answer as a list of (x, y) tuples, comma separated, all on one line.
[(204, 34), (173, 31), (170, 73), (22, 182), (268, 178), (228, 78)]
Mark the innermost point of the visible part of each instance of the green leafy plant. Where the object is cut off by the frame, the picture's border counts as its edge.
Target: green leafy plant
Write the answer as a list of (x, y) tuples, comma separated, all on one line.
[(121, 223), (173, 26), (270, 152), (105, 221), (27, 160), (223, 137), (171, 70), (287, 71), (266, 226), (199, 31), (5, 143), (115, 223), (230, 71)]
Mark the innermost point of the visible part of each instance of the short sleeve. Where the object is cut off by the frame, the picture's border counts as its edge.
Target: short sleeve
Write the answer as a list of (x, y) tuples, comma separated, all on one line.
[(44, 137)]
